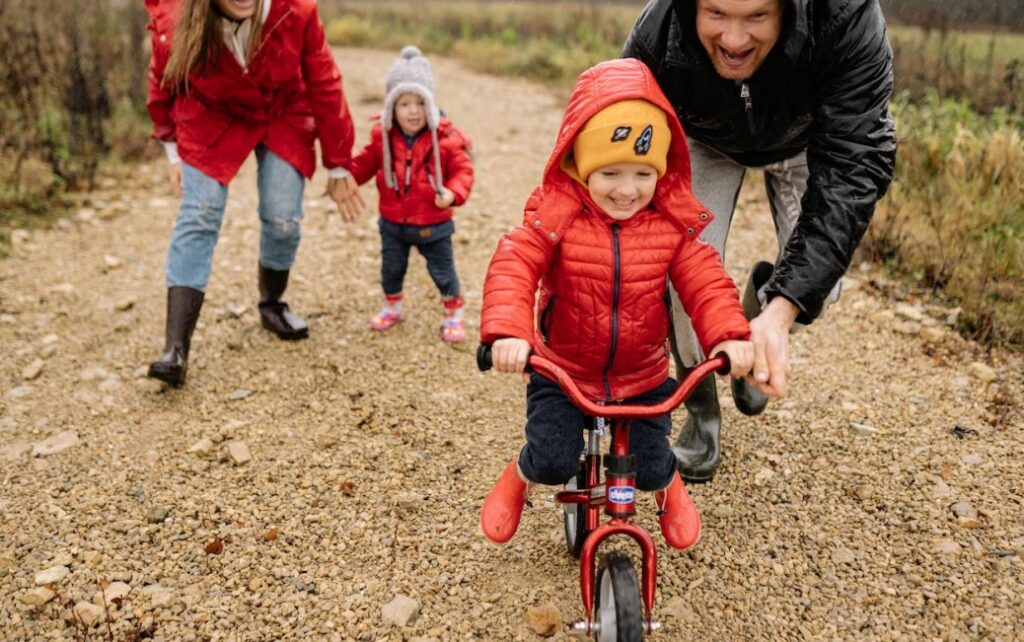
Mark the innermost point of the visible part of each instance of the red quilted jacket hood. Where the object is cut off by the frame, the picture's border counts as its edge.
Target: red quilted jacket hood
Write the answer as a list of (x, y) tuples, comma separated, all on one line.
[(588, 291), (611, 82)]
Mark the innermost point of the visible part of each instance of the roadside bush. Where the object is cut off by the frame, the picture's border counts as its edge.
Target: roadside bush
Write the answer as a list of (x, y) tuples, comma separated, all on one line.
[(986, 69), (79, 65), (953, 222)]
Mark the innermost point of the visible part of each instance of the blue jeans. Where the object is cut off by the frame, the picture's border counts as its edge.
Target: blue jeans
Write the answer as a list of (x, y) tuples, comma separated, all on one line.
[(435, 244), (554, 437), (203, 200)]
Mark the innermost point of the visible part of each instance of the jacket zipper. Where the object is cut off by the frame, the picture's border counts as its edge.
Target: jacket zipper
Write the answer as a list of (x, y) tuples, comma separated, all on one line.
[(616, 286), (748, 105), (408, 169), (545, 318)]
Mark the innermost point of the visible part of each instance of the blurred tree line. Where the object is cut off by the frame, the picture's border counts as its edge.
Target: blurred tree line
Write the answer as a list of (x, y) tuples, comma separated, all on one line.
[(956, 14), (73, 81), (1006, 14)]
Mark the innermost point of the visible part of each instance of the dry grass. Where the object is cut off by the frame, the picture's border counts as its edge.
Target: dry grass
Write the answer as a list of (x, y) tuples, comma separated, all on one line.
[(953, 221)]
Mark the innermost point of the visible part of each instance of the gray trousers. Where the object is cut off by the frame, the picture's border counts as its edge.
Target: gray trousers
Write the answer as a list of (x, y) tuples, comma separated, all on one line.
[(716, 183)]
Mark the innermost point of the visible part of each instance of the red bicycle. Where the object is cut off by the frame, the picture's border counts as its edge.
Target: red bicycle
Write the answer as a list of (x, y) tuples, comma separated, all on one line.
[(613, 601)]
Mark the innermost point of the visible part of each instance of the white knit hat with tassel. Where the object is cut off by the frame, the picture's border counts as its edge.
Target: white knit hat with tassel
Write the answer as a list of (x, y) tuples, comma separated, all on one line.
[(410, 74)]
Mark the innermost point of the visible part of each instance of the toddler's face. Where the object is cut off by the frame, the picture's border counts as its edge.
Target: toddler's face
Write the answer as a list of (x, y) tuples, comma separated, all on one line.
[(622, 189), (411, 113)]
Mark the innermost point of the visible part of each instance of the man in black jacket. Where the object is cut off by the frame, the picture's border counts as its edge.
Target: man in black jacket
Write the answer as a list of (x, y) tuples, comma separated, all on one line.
[(800, 89)]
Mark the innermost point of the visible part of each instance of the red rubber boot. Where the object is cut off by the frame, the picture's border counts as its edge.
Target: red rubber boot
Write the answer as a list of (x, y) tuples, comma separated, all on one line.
[(677, 514), (499, 517)]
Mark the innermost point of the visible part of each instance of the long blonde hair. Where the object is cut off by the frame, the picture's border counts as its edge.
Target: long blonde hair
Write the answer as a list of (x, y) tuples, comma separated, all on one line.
[(197, 40)]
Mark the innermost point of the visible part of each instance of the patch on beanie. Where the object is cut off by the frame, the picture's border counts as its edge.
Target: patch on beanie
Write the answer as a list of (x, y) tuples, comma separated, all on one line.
[(621, 133), (643, 143)]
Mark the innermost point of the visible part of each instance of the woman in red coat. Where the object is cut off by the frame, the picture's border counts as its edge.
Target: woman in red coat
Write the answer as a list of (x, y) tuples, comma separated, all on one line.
[(613, 221), (228, 78)]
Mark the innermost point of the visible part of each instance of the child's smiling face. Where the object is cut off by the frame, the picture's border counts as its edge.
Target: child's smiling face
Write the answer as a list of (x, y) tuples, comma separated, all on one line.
[(411, 113), (622, 189)]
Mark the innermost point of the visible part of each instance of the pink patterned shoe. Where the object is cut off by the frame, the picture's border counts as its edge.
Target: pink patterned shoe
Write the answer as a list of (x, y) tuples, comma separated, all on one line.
[(385, 319), (452, 331)]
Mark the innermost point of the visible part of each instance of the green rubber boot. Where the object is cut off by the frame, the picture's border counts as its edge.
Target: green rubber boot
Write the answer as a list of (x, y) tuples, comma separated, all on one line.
[(749, 399)]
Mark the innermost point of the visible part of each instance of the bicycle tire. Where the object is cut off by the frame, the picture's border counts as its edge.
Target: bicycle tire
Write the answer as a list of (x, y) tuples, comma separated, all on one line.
[(617, 601), (574, 516)]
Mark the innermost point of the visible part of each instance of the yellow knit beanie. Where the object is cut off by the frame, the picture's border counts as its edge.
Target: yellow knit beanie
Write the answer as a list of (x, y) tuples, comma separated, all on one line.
[(630, 131)]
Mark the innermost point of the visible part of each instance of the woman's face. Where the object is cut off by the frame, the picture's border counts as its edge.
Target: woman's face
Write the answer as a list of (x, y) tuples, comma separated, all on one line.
[(236, 9)]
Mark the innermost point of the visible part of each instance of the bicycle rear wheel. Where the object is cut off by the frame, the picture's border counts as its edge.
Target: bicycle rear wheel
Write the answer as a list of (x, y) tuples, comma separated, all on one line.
[(575, 515), (617, 601)]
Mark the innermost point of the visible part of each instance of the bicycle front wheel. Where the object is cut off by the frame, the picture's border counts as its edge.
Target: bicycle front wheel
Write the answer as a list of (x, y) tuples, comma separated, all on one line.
[(617, 601)]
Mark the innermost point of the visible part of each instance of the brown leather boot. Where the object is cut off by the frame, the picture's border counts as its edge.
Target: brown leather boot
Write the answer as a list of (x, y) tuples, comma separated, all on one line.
[(274, 313), (183, 305)]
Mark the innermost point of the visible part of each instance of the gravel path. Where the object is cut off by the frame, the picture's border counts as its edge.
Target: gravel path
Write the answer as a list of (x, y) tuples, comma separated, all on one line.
[(881, 501)]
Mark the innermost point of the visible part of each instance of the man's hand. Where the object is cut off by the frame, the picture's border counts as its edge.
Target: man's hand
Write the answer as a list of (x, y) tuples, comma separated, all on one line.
[(444, 198), (345, 194), (769, 332), (174, 174), (510, 354)]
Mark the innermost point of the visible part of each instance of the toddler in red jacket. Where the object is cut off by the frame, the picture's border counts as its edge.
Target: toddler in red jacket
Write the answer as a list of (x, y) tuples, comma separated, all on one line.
[(423, 170), (582, 283)]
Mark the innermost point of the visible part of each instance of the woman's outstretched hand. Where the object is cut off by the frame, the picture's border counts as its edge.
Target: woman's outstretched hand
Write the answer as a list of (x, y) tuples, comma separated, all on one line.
[(345, 194), (174, 174)]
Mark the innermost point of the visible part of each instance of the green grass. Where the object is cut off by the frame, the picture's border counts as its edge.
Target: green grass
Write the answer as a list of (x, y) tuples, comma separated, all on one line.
[(984, 68), (548, 42), (976, 45), (953, 221)]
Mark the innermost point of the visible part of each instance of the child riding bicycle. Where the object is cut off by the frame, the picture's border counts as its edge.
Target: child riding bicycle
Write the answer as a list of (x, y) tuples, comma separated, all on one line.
[(612, 221)]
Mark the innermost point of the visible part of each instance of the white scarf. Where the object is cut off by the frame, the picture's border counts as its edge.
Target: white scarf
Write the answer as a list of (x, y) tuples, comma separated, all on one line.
[(236, 35)]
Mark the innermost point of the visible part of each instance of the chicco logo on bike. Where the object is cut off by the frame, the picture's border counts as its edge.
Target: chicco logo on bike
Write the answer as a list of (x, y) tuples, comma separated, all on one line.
[(620, 495)]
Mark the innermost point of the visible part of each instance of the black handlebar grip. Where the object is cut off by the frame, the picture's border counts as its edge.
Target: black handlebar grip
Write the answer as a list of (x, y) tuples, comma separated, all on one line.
[(724, 370), (483, 357)]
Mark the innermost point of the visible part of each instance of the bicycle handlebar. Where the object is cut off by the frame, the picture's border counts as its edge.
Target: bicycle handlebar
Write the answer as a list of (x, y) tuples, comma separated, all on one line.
[(718, 363)]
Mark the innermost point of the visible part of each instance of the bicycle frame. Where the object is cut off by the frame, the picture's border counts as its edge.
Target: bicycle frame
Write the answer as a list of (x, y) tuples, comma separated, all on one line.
[(618, 494)]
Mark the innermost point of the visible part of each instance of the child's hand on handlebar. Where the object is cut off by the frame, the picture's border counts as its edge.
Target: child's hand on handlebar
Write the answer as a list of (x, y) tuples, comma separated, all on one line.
[(741, 356), (510, 355)]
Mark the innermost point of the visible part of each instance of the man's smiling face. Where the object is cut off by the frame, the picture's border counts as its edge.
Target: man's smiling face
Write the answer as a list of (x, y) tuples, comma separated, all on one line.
[(738, 34)]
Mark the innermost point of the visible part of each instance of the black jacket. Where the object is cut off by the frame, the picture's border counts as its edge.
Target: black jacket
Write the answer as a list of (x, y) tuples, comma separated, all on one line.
[(824, 87)]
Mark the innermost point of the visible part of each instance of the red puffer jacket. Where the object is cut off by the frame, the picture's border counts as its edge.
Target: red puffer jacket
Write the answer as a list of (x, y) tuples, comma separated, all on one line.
[(412, 203), (601, 314), (290, 95)]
